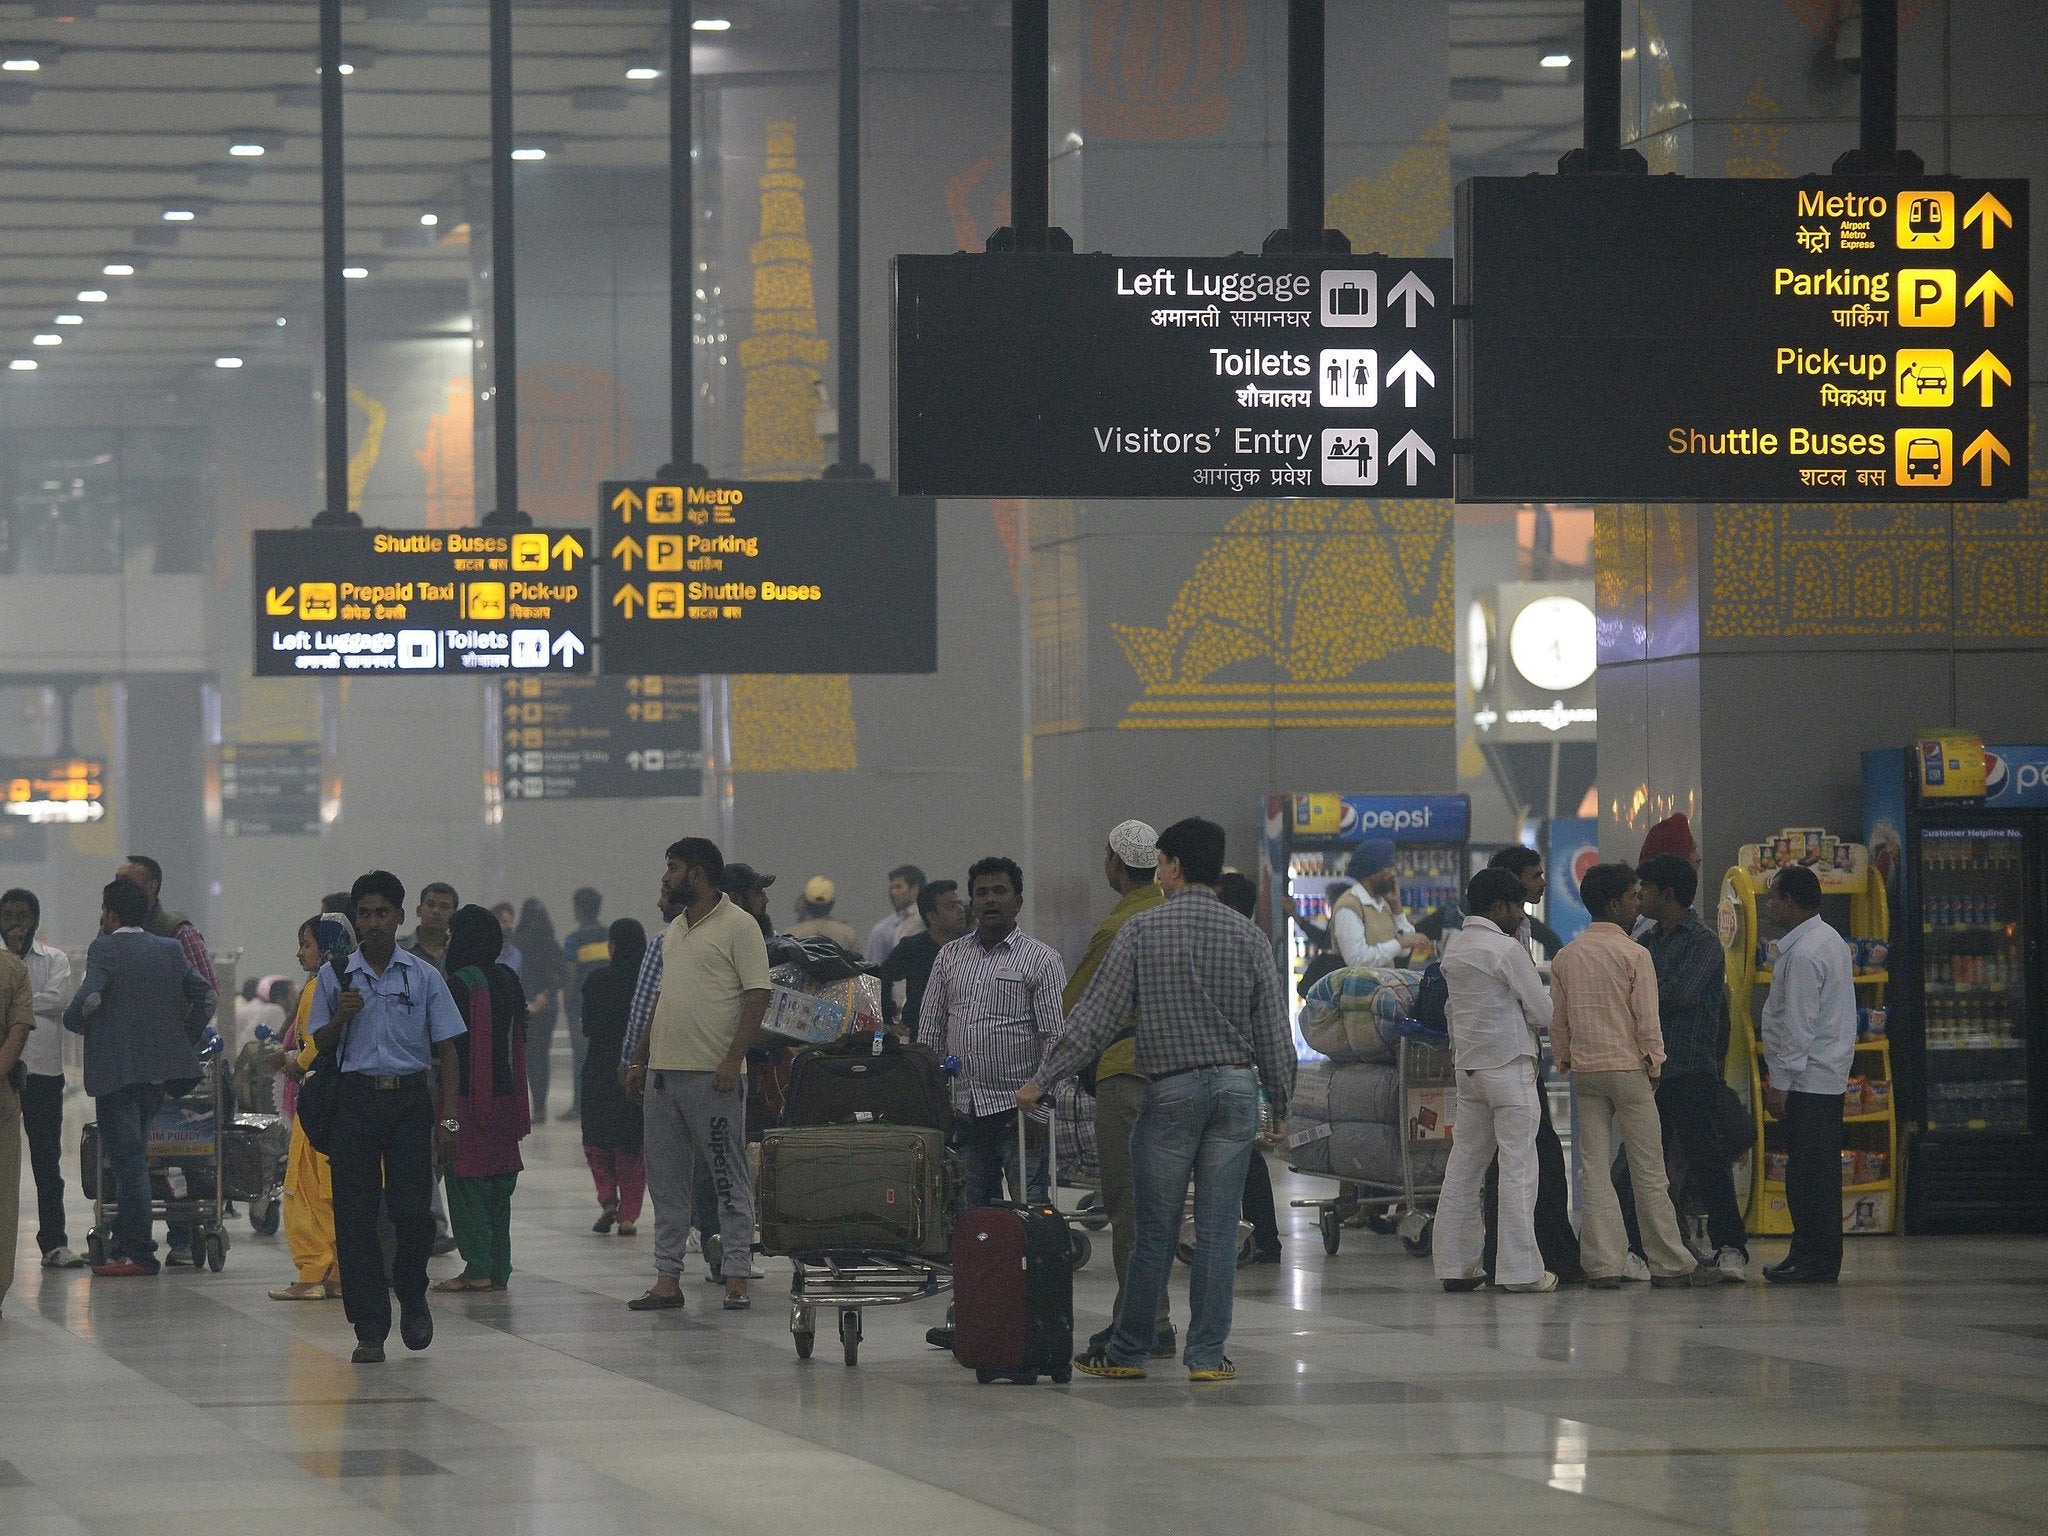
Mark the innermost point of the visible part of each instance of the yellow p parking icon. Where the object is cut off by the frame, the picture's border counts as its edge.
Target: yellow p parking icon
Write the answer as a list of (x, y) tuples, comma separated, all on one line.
[(1927, 296)]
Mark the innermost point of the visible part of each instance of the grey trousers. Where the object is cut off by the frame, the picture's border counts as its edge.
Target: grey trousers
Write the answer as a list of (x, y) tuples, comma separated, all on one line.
[(686, 1118), (1116, 1111)]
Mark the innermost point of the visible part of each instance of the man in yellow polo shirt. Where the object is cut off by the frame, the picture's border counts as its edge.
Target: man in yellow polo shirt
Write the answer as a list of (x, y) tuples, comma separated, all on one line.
[(696, 1009), (1129, 864)]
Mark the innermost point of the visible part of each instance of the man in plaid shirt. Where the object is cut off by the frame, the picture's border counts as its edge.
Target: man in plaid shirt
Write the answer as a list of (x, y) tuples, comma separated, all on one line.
[(1211, 1027)]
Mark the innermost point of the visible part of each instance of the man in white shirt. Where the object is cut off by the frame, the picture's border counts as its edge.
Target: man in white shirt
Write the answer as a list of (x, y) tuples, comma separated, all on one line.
[(905, 881), (42, 1100), (1366, 922), (1809, 1039), (1496, 1005)]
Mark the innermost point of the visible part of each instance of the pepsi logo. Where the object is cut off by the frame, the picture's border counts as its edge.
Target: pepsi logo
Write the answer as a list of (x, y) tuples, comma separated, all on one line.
[(1582, 861), (1994, 774), (1347, 818)]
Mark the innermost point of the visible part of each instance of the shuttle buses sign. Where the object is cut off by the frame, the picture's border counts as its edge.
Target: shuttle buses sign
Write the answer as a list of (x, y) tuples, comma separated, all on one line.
[(1660, 338)]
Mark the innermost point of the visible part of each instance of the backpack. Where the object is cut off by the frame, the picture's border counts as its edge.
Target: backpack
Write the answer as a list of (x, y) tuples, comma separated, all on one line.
[(1433, 1000)]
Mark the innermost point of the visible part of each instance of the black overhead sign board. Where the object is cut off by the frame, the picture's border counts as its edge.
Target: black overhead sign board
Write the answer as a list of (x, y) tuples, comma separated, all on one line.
[(1658, 338), (600, 738), (270, 789), (421, 602), (767, 576), (1235, 376)]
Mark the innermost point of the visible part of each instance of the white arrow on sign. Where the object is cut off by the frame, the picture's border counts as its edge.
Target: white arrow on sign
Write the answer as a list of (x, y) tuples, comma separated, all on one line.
[(1409, 370), (1407, 291), (568, 647), (1410, 448), (633, 760)]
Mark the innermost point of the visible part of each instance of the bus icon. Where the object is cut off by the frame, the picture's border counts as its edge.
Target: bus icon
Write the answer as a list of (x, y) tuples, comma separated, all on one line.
[(1924, 456)]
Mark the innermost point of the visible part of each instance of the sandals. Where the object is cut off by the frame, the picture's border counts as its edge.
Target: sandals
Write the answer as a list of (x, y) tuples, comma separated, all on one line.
[(603, 1224)]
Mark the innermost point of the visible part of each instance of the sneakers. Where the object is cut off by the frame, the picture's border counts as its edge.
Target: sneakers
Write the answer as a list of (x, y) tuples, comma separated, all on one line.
[(1097, 1363), (63, 1258), (1732, 1265), (1223, 1370), (180, 1258), (1698, 1275), (367, 1354), (1635, 1267), (1547, 1283)]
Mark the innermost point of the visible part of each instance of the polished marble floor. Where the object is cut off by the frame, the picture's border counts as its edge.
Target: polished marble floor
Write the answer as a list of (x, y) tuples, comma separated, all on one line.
[(1914, 1398)]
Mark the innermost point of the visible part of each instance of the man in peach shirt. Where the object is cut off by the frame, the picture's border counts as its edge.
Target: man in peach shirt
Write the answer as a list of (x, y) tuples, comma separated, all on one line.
[(1604, 1032)]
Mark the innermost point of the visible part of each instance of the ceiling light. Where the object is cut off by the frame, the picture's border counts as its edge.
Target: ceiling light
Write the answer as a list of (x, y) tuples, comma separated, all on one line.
[(23, 365), (1557, 61), (92, 296), (643, 72), (48, 339), (531, 152), (355, 271), (118, 269), (246, 151), (430, 219), (711, 24), (227, 362), (179, 215), (21, 66), (280, 319), (347, 68), (70, 319)]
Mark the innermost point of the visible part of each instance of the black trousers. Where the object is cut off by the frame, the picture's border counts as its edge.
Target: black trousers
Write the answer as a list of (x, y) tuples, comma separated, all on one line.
[(383, 1155), (1258, 1205), (1556, 1239), (42, 1122), (1813, 1180)]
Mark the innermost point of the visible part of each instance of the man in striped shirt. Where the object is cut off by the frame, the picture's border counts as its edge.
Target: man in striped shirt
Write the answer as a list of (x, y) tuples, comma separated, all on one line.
[(993, 1002)]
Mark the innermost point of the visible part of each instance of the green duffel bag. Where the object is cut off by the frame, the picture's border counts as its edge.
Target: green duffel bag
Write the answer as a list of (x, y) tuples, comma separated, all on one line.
[(880, 1187)]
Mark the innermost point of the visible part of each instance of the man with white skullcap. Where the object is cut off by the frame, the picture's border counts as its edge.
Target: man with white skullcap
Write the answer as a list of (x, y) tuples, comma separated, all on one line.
[(1129, 864)]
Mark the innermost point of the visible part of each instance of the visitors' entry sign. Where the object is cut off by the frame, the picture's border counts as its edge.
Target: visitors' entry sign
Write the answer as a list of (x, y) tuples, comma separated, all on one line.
[(1236, 376), (1659, 338), (421, 602), (789, 576)]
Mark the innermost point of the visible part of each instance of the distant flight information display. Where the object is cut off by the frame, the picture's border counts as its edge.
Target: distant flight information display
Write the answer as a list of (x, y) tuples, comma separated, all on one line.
[(421, 602)]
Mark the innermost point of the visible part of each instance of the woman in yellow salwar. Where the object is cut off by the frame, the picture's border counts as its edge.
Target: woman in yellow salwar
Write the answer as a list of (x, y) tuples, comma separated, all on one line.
[(308, 1189)]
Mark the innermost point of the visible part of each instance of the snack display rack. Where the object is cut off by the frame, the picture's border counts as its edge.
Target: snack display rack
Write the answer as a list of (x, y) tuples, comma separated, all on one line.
[(1870, 1137)]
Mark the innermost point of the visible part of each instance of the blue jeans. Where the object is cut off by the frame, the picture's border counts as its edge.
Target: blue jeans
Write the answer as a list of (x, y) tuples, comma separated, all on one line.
[(988, 1146), (1198, 1123), (125, 1117)]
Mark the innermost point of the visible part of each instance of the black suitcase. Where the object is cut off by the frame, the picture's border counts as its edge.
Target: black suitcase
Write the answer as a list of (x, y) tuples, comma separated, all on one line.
[(1013, 1288), (868, 1075)]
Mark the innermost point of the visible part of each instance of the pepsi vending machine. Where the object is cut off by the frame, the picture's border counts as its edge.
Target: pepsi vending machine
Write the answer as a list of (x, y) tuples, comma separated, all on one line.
[(1958, 831), (1307, 841)]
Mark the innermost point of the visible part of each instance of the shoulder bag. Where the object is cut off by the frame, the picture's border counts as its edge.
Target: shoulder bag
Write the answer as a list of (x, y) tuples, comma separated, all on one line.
[(320, 1094)]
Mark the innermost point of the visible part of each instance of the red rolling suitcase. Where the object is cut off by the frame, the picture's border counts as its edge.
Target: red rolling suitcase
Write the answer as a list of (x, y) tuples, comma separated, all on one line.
[(1013, 1288)]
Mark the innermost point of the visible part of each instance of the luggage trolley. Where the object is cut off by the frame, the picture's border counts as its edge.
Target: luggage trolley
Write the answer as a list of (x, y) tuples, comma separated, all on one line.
[(852, 1279), (1428, 1089), (185, 1171)]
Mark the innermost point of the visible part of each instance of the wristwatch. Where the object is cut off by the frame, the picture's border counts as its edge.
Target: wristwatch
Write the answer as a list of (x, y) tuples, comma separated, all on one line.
[(451, 1126)]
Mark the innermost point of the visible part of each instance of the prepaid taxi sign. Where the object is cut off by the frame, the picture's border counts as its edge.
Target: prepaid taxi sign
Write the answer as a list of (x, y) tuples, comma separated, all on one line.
[(431, 602), (1666, 339), (789, 576)]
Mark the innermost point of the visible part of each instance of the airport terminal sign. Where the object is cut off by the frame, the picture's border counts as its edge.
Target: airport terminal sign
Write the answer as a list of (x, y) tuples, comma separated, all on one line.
[(600, 738), (767, 576), (1236, 376), (421, 602), (1660, 338)]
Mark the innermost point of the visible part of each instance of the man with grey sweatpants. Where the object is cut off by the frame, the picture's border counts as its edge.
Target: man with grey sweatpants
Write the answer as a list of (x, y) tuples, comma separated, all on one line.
[(696, 1009)]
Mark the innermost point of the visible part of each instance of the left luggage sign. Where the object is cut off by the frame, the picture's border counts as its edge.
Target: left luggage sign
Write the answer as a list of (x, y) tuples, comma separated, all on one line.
[(421, 602)]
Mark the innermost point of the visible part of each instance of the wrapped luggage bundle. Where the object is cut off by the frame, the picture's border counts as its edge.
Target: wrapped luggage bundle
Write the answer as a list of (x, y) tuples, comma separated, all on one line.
[(818, 992), (1349, 1123), (1073, 1124), (1351, 1015)]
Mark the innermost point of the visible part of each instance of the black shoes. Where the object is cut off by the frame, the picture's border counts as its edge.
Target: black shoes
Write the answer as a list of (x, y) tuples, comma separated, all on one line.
[(939, 1338), (367, 1354), (1789, 1273), (415, 1324)]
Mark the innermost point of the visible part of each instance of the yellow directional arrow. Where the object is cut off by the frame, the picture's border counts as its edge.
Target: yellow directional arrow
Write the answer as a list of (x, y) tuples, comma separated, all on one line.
[(627, 596), (277, 602), (567, 549), (628, 502), (1990, 212), (1990, 288), (626, 551), (1984, 370), (1983, 446)]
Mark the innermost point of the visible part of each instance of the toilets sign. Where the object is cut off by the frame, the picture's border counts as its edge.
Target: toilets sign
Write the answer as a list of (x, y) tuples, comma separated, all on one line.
[(1238, 376)]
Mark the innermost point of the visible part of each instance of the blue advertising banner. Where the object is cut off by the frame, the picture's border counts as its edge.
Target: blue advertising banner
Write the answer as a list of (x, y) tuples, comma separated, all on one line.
[(1403, 818), (2015, 777), (1573, 848)]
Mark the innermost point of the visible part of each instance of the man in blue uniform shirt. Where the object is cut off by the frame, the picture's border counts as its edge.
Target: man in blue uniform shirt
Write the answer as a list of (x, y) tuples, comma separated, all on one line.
[(391, 1021)]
